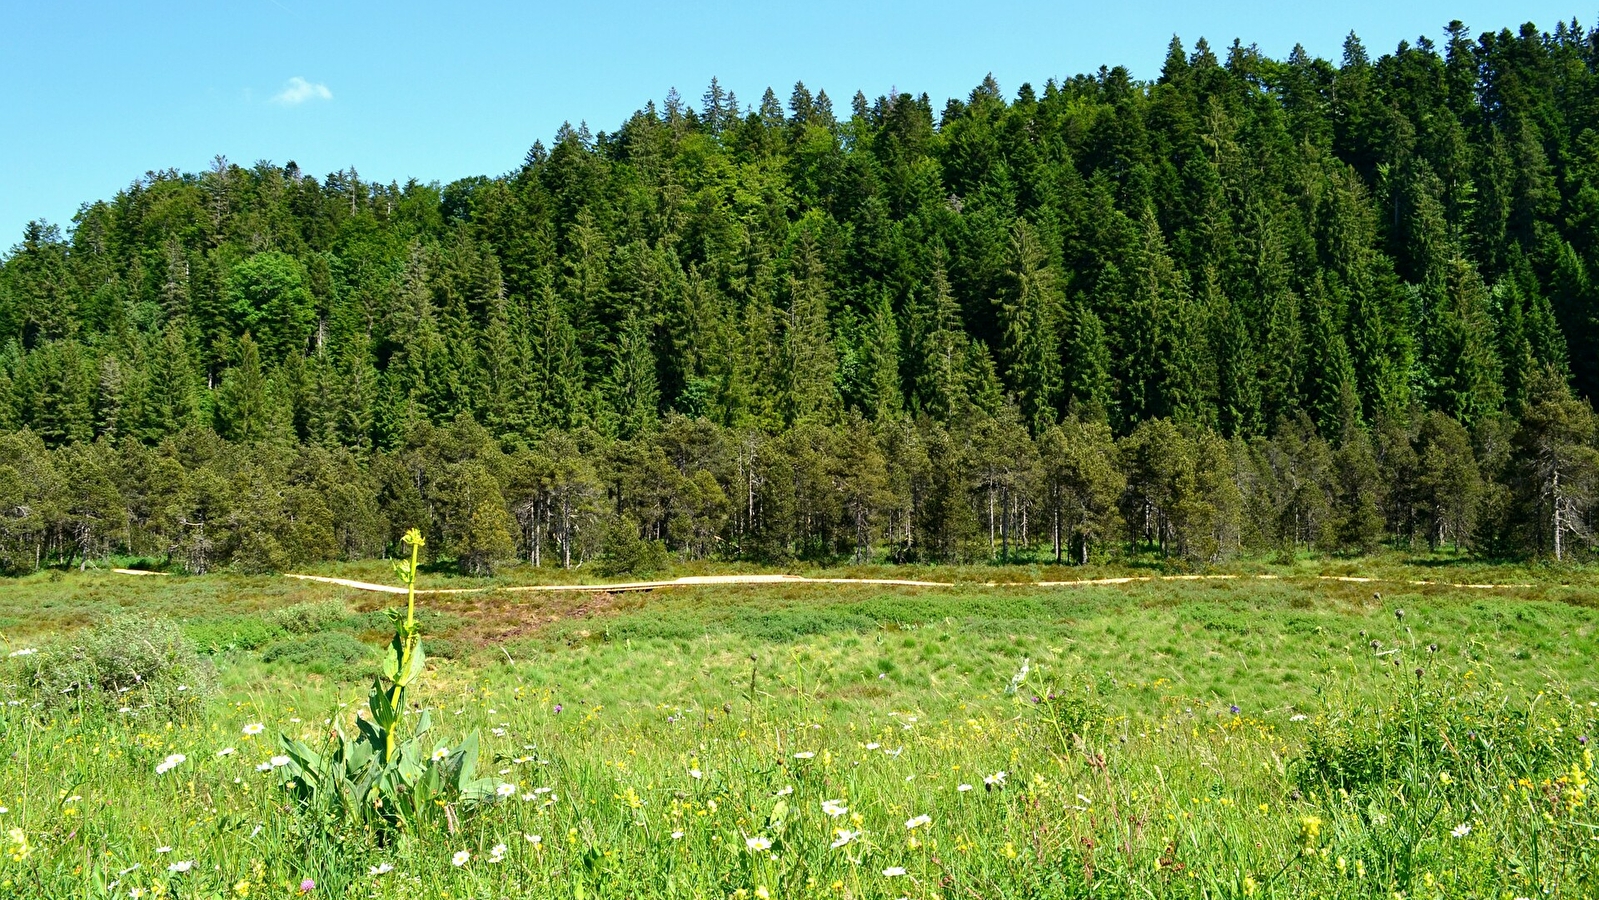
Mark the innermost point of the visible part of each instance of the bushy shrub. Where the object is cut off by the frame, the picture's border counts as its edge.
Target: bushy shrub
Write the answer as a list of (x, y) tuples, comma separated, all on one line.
[(324, 652), (233, 633), (625, 553), (133, 662), (308, 618)]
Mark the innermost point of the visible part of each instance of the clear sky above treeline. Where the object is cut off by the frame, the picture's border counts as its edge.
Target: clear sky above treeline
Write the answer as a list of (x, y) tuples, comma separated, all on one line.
[(98, 93)]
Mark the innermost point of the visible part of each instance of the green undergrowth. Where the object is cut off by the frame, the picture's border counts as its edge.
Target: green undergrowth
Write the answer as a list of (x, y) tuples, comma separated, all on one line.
[(1243, 738)]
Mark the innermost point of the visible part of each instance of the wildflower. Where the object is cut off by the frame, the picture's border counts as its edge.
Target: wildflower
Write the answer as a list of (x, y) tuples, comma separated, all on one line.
[(307, 886), (893, 871), (163, 849), (264, 767), (181, 866), (170, 763), (917, 822), (557, 707), (963, 788), (497, 853), (695, 773), (995, 780), (1309, 828), (380, 869), (225, 751), (761, 893), (1444, 779), (834, 808), (533, 839), (804, 754), (460, 858), (25, 651), (1250, 886), (19, 845), (1234, 709), (242, 888), (1461, 830), (441, 753), (873, 746), (844, 837), (505, 789), (677, 835), (279, 762), (758, 843), (785, 791), (254, 728), (1297, 717)]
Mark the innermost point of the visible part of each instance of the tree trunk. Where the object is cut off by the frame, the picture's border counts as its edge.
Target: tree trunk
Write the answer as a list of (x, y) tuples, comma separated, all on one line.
[(1554, 495)]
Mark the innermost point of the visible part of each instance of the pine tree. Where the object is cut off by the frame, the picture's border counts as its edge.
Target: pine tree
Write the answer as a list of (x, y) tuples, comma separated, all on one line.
[(1465, 368), (1029, 312), (808, 360), (244, 410), (632, 385), (882, 357), (938, 348)]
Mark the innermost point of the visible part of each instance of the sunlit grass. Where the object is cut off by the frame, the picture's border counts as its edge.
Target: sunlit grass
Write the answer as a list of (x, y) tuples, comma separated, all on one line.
[(1203, 739)]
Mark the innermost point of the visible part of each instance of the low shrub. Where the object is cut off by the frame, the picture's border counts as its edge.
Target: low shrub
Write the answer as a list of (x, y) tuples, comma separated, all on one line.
[(323, 653), (307, 618), (789, 624), (236, 633), (133, 662)]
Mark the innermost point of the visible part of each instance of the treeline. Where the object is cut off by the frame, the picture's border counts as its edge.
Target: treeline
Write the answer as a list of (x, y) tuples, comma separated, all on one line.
[(982, 488), (1243, 257)]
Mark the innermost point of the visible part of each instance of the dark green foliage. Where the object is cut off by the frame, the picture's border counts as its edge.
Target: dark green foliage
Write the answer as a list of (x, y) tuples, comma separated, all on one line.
[(625, 553), (324, 652), (873, 324)]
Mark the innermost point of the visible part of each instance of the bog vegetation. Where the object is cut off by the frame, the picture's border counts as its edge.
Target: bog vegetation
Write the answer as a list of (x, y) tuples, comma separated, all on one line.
[(1284, 738), (1252, 304)]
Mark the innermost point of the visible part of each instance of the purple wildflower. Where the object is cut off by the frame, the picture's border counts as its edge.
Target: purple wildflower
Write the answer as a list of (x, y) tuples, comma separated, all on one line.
[(1234, 708), (557, 707), (307, 886)]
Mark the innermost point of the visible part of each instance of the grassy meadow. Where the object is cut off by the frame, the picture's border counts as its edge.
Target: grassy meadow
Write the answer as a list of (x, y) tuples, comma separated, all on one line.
[(1290, 736)]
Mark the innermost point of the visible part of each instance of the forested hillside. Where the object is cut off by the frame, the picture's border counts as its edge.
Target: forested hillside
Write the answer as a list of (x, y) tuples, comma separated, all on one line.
[(1253, 304)]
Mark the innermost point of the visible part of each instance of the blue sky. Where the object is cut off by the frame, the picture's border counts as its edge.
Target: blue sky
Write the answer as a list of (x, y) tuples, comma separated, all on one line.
[(98, 93)]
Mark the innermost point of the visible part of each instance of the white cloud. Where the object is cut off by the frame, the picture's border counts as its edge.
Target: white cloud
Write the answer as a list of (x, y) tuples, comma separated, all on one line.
[(297, 90)]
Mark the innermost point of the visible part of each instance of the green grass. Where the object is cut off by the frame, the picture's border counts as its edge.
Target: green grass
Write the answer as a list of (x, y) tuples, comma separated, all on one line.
[(1342, 772)]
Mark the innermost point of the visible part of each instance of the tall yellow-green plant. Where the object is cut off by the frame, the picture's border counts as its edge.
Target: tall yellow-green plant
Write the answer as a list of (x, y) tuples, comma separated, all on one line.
[(405, 657), (380, 776)]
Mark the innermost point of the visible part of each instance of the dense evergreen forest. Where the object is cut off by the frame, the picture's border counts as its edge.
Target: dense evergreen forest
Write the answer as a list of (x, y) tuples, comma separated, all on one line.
[(1252, 305)]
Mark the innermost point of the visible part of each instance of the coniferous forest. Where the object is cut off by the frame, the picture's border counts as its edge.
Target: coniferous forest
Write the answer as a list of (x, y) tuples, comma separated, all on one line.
[(1253, 305)]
